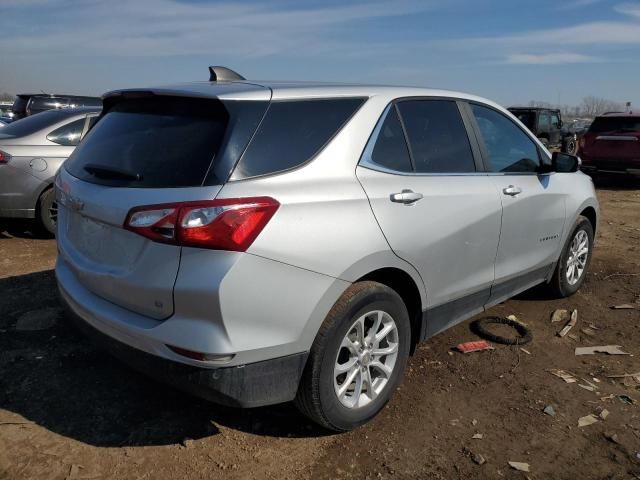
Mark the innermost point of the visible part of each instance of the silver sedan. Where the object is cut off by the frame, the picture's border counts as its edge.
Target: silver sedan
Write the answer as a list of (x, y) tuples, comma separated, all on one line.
[(31, 152)]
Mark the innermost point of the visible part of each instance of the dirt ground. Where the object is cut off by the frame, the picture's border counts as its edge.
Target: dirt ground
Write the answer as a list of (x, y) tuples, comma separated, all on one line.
[(67, 410)]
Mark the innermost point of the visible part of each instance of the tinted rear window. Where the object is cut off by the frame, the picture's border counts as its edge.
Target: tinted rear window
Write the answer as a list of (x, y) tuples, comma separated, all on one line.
[(41, 104), (615, 124), (19, 104), (292, 133), (164, 141), (29, 125)]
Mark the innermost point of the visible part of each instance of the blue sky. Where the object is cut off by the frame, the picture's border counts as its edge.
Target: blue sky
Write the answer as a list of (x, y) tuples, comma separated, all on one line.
[(511, 51)]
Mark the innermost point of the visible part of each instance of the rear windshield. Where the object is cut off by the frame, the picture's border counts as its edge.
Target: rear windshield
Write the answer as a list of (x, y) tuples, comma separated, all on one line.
[(29, 125), (152, 142), (19, 104), (292, 133), (615, 124)]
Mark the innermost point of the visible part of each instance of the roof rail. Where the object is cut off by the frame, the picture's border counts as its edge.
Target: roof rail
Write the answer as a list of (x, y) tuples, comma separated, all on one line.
[(611, 113), (223, 74)]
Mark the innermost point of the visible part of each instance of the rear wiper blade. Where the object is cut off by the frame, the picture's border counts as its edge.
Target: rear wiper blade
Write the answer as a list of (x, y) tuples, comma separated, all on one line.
[(105, 171)]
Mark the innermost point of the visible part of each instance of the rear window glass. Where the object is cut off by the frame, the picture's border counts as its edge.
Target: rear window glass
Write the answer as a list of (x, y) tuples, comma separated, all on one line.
[(41, 104), (292, 132), (152, 142), (29, 125), (615, 124), (20, 104)]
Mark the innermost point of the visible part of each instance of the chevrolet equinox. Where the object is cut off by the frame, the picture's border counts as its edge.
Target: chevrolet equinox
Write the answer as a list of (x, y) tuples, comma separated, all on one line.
[(261, 242)]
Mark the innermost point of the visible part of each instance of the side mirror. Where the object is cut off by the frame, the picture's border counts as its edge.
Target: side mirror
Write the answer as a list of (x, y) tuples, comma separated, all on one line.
[(564, 163)]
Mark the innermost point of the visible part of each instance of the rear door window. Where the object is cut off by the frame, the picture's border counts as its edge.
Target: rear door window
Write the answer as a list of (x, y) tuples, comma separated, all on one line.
[(437, 136), (292, 133), (68, 135), (509, 149), (152, 142)]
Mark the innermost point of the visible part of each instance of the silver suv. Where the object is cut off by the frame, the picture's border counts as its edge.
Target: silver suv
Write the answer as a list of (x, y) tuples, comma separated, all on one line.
[(257, 243)]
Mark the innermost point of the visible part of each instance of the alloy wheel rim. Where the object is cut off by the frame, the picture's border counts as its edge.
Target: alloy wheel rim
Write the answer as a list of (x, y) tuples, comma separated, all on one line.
[(366, 359), (578, 255)]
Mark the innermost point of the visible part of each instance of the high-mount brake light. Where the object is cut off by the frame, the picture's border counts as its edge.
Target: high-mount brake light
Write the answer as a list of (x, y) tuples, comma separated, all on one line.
[(225, 224)]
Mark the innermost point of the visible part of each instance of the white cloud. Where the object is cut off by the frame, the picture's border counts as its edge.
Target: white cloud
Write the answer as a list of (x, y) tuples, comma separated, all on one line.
[(169, 27), (632, 9), (549, 58), (572, 5)]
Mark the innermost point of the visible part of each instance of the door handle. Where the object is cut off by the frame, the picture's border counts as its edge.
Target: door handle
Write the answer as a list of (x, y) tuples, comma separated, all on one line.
[(408, 197), (512, 190)]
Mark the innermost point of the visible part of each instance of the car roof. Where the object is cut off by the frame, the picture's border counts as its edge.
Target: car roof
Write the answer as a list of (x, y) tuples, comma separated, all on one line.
[(618, 114), (282, 90)]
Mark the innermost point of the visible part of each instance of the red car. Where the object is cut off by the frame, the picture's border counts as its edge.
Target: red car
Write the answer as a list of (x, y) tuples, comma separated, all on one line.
[(612, 144)]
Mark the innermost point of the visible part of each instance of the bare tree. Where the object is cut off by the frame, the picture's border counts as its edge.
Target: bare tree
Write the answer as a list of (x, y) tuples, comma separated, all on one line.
[(6, 97), (592, 106)]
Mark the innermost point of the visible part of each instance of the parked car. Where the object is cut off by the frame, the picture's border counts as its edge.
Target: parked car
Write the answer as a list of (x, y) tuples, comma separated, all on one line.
[(5, 109), (612, 145), (335, 227), (546, 124), (573, 133), (31, 152), (31, 103)]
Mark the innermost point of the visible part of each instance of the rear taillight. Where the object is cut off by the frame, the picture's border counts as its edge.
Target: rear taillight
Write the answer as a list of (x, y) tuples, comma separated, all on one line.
[(4, 157), (225, 224)]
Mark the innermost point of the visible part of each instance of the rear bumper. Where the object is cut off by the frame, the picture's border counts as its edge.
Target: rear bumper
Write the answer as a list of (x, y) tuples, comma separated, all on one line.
[(253, 385), (258, 320)]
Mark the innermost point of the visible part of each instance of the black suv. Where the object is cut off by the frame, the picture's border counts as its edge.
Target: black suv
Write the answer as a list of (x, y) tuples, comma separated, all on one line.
[(30, 103), (546, 124)]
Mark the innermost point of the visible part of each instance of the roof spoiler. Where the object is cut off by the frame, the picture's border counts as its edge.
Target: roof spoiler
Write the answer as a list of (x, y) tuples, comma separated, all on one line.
[(223, 74)]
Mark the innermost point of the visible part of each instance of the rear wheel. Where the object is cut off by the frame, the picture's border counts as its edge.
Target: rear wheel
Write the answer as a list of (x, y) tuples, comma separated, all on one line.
[(571, 146), (571, 269), (47, 213), (357, 359)]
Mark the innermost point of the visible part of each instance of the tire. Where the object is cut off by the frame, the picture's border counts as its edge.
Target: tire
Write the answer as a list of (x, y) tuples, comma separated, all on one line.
[(560, 284), (317, 396), (46, 214), (571, 146), (481, 328)]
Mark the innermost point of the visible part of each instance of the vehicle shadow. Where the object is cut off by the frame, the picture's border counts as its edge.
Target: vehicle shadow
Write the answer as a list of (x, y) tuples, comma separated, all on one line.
[(53, 376), (19, 229), (616, 182)]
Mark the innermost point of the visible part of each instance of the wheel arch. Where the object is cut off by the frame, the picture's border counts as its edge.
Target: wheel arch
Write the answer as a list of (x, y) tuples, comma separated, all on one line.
[(404, 284), (592, 216)]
